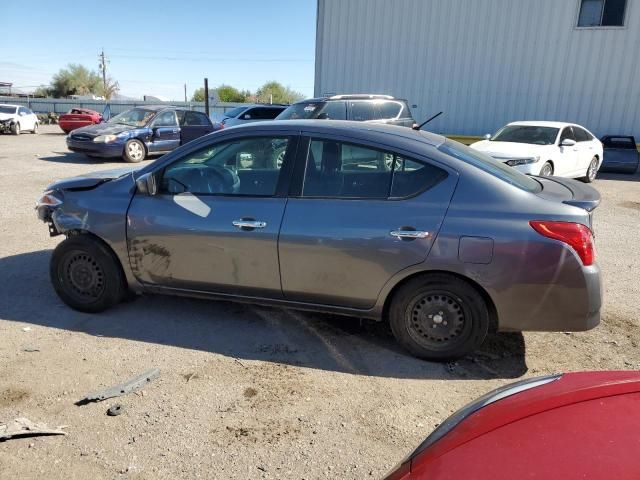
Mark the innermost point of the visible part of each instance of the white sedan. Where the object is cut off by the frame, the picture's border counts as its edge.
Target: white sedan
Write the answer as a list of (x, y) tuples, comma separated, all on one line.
[(15, 119), (546, 148)]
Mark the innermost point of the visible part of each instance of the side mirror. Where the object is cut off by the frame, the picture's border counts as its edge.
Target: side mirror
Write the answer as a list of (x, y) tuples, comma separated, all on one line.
[(567, 142), (487, 136), (147, 184)]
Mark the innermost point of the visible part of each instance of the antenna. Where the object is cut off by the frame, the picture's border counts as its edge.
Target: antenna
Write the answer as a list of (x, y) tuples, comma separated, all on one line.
[(418, 127)]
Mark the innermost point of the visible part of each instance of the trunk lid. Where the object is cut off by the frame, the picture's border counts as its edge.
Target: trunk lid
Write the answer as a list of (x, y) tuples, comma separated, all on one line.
[(570, 192)]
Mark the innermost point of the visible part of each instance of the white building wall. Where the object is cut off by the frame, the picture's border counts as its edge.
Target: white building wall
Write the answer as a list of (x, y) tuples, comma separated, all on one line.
[(484, 62)]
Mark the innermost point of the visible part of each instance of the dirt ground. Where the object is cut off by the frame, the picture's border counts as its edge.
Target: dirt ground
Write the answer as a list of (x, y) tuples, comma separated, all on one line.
[(248, 392)]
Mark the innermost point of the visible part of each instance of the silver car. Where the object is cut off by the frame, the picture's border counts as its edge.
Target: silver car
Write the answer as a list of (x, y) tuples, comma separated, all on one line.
[(443, 242), (251, 113)]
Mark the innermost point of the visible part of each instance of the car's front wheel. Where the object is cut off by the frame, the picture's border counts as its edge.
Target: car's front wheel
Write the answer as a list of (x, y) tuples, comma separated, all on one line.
[(592, 171), (15, 129), (546, 170), (86, 275), (439, 317), (134, 151), (35, 128)]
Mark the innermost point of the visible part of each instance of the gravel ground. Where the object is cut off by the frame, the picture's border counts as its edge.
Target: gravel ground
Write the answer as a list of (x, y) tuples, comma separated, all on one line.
[(248, 392)]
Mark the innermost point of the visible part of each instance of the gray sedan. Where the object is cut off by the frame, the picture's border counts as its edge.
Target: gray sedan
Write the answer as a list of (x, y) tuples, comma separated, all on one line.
[(367, 220)]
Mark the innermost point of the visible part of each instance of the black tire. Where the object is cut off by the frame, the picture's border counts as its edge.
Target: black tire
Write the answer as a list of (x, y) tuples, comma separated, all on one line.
[(86, 274), (546, 170), (134, 151), (439, 317), (592, 171), (15, 129)]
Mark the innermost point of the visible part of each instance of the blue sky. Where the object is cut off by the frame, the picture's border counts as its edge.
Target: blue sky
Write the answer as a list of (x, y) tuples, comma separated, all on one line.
[(154, 47)]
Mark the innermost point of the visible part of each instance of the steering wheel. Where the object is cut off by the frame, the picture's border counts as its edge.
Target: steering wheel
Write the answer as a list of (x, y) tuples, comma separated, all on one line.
[(213, 179)]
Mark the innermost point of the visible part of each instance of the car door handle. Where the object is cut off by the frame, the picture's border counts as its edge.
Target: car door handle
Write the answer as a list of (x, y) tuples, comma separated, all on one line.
[(248, 224), (409, 234)]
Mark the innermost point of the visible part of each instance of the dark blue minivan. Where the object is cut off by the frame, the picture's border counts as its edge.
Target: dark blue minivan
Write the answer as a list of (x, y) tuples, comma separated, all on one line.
[(139, 132)]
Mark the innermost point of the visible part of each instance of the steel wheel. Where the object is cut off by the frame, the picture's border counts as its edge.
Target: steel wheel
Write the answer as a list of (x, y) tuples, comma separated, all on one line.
[(547, 170), (435, 319), (438, 317), (84, 276)]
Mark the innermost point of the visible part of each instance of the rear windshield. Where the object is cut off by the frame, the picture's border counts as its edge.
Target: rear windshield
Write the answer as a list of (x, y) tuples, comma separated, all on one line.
[(491, 166), (303, 110), (234, 112), (532, 134), (7, 109)]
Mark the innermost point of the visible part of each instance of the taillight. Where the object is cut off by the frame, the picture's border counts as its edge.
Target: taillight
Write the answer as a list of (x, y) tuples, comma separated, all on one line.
[(576, 235)]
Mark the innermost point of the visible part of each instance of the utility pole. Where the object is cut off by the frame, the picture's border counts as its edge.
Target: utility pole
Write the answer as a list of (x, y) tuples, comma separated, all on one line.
[(103, 67), (185, 93), (206, 96)]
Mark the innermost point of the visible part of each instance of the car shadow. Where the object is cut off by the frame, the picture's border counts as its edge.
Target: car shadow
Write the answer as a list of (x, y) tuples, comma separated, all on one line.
[(71, 157), (246, 332)]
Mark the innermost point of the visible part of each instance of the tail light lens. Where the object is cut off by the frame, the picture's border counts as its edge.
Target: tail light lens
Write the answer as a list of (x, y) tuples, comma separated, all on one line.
[(576, 235)]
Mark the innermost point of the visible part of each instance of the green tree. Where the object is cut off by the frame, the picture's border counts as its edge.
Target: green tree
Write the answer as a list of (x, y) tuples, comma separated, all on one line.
[(75, 80), (278, 93), (42, 91), (227, 93), (198, 95)]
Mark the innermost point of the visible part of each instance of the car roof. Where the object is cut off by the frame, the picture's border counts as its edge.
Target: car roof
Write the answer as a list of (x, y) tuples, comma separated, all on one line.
[(353, 96), (9, 105), (344, 127), (544, 123)]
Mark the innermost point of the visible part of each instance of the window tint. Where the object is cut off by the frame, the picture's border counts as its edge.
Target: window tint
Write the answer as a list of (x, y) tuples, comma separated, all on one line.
[(249, 167), (334, 111), (234, 112), (627, 143), (180, 114), (581, 135), (567, 133), (166, 119), (362, 111), (195, 118), (602, 13), (411, 177), (342, 170), (389, 109)]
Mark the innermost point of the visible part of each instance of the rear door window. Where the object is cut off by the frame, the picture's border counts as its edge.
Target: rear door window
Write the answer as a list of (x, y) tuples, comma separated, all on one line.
[(195, 119), (334, 110), (362, 111), (344, 170), (389, 109)]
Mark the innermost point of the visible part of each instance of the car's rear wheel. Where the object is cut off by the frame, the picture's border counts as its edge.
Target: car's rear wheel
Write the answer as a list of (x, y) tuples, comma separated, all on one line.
[(546, 170), (439, 317), (35, 128), (592, 171), (86, 275), (15, 129), (134, 151)]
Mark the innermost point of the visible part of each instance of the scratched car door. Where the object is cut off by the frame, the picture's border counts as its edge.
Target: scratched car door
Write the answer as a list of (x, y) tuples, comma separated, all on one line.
[(213, 225)]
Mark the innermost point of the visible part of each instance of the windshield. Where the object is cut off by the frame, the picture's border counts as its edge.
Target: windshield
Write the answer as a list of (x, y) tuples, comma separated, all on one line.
[(234, 112), (303, 111), (5, 109), (491, 166), (136, 117), (526, 134)]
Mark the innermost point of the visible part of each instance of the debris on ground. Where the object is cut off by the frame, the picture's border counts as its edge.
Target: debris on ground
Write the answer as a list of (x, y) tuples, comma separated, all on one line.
[(131, 385), (115, 410), (26, 329), (30, 349), (23, 427)]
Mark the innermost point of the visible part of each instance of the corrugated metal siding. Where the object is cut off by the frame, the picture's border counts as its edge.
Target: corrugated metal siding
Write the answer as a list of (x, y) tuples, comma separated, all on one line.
[(484, 62)]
